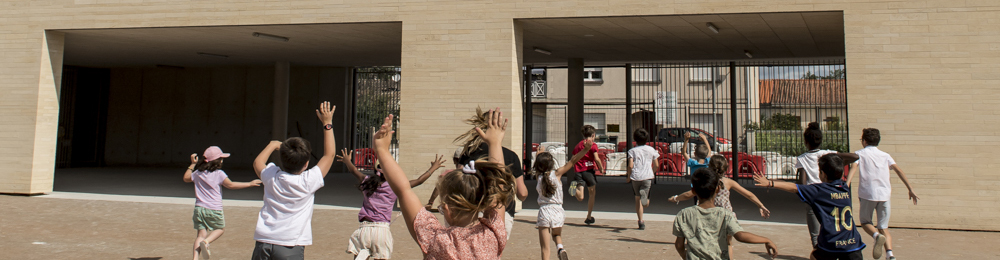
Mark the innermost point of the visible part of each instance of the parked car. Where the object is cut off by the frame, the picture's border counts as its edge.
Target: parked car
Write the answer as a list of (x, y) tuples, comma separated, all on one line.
[(676, 134)]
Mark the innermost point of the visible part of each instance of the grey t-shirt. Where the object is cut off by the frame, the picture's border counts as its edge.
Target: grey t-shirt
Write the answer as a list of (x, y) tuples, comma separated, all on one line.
[(705, 231)]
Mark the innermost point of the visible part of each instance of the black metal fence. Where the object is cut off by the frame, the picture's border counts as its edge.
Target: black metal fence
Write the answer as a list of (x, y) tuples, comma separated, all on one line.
[(751, 112), (376, 95)]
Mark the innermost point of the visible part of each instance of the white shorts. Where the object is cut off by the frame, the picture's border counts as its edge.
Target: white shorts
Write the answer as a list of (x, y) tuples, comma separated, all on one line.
[(551, 216), (880, 208), (374, 237)]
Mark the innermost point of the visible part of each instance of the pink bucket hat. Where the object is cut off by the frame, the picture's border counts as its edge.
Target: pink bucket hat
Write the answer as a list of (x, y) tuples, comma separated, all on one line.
[(214, 152)]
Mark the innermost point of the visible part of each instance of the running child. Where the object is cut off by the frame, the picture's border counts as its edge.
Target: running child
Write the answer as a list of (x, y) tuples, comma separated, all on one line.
[(208, 218), (642, 165), (586, 170), (719, 165), (702, 230), (874, 189), (551, 215), (702, 153), (284, 225), (808, 170), (832, 201), (479, 187), (372, 238)]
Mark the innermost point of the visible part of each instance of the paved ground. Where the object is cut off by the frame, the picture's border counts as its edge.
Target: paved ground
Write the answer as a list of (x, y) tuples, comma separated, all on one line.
[(96, 226)]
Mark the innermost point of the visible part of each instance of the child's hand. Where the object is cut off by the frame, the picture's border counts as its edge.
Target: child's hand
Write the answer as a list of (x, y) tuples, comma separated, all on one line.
[(345, 156), (256, 183), (772, 249), (914, 197), (194, 159), (495, 131), (702, 136), (765, 213), (687, 135), (275, 144), (438, 161), (382, 138), (761, 180), (325, 112), (587, 144)]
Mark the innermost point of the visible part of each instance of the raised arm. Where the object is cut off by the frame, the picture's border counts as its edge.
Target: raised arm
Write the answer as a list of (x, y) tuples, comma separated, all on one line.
[(902, 176), (240, 185), (435, 165), (261, 161), (325, 114), (187, 173), (346, 158), (781, 185), (684, 148), (493, 136), (409, 204), (750, 238), (704, 140), (572, 161), (764, 212)]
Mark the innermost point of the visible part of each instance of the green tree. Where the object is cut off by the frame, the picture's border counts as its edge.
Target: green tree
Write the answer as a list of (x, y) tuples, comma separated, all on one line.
[(835, 74)]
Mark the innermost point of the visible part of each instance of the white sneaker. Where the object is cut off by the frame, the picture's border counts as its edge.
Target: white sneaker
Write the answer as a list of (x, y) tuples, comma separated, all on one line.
[(204, 254), (363, 255), (572, 188), (879, 247)]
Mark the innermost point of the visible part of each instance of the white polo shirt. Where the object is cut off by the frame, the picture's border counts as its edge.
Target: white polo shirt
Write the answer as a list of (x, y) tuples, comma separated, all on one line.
[(873, 165), (286, 218)]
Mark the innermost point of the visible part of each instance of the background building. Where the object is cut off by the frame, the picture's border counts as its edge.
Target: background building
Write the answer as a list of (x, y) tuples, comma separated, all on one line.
[(166, 77)]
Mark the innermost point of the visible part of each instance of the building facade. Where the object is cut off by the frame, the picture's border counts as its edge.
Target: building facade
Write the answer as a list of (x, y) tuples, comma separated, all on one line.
[(924, 72)]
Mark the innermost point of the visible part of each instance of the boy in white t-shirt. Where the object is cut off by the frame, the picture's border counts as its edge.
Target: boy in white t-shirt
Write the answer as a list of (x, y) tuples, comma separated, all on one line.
[(642, 165), (807, 167), (284, 226), (874, 189)]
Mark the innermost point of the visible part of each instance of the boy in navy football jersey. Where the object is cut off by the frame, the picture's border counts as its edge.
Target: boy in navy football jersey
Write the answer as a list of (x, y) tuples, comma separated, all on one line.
[(832, 203)]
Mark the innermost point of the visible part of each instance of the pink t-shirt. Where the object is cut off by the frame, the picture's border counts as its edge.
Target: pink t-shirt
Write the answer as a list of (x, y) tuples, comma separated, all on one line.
[(483, 240), (207, 190), (587, 162)]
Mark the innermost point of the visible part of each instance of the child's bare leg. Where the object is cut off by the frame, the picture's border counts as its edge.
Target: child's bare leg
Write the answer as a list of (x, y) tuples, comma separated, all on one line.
[(557, 235), (543, 241), (731, 253), (590, 203), (215, 234), (888, 238), (869, 228), (638, 208), (200, 236)]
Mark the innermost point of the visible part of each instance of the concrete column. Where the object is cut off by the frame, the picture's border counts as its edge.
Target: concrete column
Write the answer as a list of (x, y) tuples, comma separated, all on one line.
[(574, 100), (34, 151), (282, 78)]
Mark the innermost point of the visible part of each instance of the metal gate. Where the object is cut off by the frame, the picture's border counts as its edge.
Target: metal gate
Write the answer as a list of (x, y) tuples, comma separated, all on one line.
[(751, 112), (376, 95)]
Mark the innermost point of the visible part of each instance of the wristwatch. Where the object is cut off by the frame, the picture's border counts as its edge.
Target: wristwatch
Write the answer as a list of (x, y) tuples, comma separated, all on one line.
[(328, 127)]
